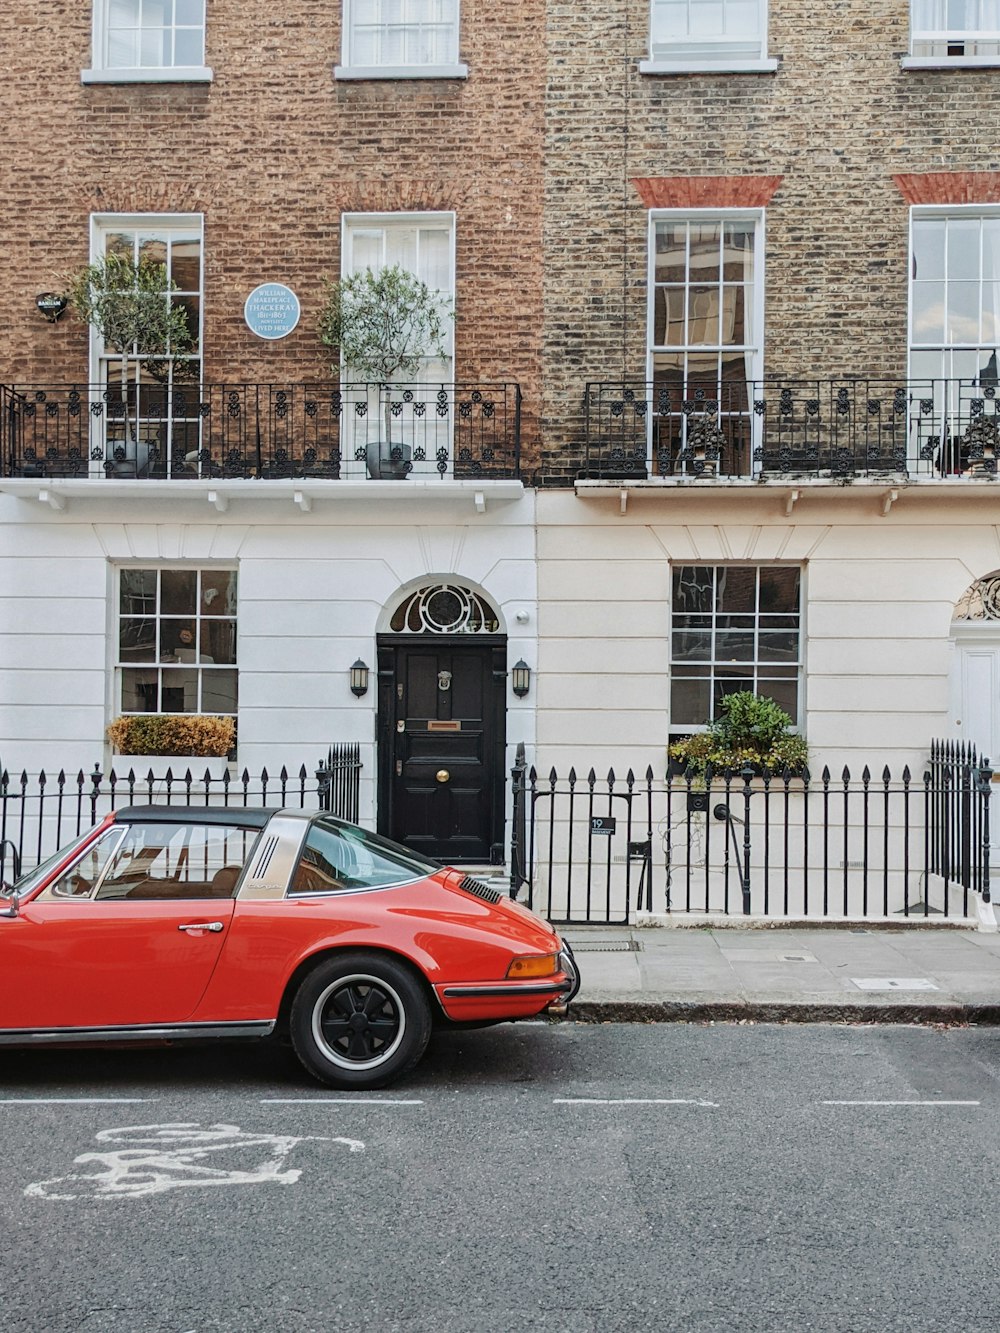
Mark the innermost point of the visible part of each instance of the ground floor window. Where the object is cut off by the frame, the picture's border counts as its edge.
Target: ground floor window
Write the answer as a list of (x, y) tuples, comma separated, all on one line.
[(733, 628), (176, 641)]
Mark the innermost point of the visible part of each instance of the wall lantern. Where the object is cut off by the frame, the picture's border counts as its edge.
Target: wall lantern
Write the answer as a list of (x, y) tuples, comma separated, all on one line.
[(521, 678), (359, 678), (51, 305)]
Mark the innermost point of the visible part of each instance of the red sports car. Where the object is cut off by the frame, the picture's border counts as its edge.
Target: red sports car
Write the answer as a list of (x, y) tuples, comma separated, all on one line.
[(169, 923)]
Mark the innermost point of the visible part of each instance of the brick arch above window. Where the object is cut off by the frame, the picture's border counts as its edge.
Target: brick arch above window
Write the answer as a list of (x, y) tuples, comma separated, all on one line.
[(950, 187), (706, 191)]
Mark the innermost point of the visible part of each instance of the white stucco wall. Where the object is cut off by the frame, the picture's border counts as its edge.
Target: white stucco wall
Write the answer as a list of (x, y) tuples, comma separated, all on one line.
[(312, 588), (879, 596)]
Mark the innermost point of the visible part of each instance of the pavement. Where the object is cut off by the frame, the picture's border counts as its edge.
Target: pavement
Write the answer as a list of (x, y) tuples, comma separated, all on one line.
[(806, 974)]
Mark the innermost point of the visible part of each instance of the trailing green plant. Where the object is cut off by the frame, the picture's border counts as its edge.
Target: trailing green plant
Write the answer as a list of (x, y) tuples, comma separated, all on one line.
[(383, 325), (191, 735), (128, 303), (749, 729)]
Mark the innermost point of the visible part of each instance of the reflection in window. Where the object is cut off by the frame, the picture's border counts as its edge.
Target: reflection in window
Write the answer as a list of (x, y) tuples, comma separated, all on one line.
[(177, 861), (177, 641), (733, 628), (338, 856), (80, 880)]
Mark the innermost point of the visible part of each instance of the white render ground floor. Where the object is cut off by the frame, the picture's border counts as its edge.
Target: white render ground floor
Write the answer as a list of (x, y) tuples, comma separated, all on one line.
[(871, 610)]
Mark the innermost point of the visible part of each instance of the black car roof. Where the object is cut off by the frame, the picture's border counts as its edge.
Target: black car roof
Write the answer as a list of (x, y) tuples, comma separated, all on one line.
[(231, 816)]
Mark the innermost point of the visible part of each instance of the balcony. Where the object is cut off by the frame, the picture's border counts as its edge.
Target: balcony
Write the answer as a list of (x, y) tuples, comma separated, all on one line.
[(838, 429), (327, 432)]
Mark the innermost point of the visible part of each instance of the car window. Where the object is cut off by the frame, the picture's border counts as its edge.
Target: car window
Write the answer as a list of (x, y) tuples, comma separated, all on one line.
[(79, 879), (160, 860), (343, 857)]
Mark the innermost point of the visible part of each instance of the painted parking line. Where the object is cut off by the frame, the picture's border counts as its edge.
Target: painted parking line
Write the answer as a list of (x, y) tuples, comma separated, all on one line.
[(632, 1101), (338, 1101), (900, 1104), (77, 1101)]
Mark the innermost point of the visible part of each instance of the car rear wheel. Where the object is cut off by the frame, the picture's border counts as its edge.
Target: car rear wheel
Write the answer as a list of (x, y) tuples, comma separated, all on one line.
[(360, 1020)]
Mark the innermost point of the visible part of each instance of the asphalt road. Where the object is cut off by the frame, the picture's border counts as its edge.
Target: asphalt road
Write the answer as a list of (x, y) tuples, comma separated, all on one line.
[(566, 1177)]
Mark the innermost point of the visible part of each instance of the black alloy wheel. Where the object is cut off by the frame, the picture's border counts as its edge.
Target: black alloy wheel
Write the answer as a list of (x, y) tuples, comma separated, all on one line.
[(360, 1020)]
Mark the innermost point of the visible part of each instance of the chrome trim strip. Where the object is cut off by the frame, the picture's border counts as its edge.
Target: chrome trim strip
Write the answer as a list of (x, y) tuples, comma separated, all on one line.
[(157, 1032), (513, 988)]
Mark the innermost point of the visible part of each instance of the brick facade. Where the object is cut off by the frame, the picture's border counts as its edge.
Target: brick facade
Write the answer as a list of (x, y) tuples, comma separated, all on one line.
[(271, 152), (837, 122)]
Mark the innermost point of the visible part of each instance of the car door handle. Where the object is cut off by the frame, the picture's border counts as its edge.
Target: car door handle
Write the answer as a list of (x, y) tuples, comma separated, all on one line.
[(213, 926)]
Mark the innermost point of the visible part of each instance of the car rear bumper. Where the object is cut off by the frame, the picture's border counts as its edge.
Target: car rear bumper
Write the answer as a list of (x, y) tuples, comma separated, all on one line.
[(472, 1001)]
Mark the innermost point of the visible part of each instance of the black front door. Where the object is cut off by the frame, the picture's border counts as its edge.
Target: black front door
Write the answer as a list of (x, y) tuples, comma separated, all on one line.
[(441, 746)]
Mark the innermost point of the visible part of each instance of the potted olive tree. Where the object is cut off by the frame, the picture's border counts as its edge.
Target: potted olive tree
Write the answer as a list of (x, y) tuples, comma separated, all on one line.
[(128, 303), (384, 325)]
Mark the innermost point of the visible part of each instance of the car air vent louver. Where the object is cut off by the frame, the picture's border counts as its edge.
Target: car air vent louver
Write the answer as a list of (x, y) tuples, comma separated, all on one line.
[(480, 890)]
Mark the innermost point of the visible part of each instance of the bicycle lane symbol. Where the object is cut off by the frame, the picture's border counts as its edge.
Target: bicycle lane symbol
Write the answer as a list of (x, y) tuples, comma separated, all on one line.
[(154, 1159)]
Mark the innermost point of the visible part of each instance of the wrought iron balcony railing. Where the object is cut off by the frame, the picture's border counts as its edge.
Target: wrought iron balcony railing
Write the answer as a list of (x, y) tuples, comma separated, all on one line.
[(273, 431), (838, 428)]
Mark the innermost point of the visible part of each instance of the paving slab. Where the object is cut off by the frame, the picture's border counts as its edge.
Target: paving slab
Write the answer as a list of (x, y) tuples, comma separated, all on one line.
[(912, 974)]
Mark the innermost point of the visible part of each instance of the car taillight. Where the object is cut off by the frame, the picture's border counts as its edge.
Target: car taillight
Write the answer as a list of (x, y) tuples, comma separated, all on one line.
[(544, 965)]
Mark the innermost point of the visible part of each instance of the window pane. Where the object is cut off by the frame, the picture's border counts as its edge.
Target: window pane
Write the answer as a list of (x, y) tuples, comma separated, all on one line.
[(928, 312), (690, 702), (692, 646), (140, 691), (188, 47), (136, 640), (737, 589), (671, 252), (178, 590), (218, 641), (218, 691), (963, 312), (179, 691), (693, 588), (156, 861), (963, 248), (734, 646), (928, 249), (779, 589), (218, 592)]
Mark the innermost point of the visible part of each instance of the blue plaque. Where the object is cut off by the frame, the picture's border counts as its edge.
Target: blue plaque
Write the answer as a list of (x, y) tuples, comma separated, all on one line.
[(271, 310)]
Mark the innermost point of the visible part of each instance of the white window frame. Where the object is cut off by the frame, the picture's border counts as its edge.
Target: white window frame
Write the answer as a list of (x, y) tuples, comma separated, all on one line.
[(118, 665), (726, 62), (101, 71), (349, 68), (951, 48), (355, 222), (953, 394), (177, 226), (677, 728), (721, 215)]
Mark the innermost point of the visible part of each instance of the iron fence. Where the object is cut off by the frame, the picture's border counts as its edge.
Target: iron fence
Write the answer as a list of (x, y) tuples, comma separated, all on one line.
[(268, 431), (39, 813), (749, 428), (789, 845)]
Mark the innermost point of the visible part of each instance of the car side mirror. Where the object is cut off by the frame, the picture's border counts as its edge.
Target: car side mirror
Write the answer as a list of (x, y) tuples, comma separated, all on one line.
[(10, 893)]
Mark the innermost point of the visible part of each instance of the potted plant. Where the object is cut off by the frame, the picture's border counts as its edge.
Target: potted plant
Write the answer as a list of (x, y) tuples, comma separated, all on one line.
[(147, 739), (749, 729), (128, 303), (383, 325)]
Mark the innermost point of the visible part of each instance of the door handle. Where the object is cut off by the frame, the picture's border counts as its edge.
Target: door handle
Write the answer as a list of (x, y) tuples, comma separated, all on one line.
[(442, 775), (213, 926)]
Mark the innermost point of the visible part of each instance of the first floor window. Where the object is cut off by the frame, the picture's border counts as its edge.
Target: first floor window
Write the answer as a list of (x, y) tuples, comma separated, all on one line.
[(955, 329), (176, 641), (149, 393), (151, 35), (705, 334), (400, 34), (955, 29), (716, 31), (733, 628)]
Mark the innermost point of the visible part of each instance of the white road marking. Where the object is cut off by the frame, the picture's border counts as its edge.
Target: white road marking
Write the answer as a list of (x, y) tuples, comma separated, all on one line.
[(76, 1101), (631, 1101), (158, 1158), (901, 1103), (337, 1101)]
